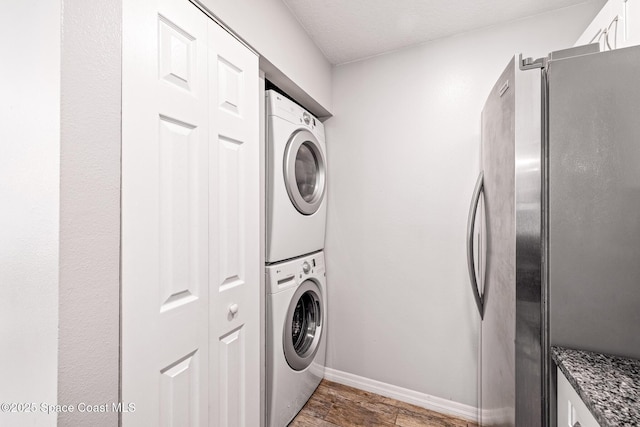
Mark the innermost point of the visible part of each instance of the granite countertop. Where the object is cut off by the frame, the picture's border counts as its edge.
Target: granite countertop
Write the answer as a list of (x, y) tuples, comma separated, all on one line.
[(608, 385)]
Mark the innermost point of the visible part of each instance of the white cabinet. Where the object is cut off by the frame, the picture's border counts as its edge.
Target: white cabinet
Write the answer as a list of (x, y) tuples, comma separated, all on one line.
[(190, 220), (607, 26), (632, 20), (571, 408), (616, 25)]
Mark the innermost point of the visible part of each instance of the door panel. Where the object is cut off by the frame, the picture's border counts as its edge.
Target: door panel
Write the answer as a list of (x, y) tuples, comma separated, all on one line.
[(232, 402), (176, 55), (531, 327), (498, 325), (594, 201), (229, 86), (230, 227), (234, 232), (165, 214), (512, 333), (179, 392), (182, 213)]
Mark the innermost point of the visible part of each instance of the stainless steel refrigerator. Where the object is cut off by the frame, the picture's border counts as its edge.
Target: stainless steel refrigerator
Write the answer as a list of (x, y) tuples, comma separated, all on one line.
[(554, 224)]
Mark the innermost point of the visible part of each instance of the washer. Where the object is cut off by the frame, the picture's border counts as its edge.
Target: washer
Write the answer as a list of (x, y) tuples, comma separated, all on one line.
[(296, 180), (296, 335)]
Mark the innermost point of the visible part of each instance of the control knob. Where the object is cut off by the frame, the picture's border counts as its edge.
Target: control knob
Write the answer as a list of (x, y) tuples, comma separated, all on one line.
[(306, 268)]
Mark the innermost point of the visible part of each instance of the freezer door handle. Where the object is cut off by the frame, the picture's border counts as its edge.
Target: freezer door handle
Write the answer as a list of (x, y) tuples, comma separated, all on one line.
[(473, 210)]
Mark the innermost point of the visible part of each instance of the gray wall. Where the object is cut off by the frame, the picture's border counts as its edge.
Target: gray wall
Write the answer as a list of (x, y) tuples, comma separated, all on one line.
[(29, 183), (403, 149), (90, 209)]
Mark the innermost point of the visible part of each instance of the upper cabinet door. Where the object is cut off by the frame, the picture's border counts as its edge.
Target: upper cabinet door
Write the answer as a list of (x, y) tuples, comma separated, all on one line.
[(190, 216), (632, 22), (617, 25)]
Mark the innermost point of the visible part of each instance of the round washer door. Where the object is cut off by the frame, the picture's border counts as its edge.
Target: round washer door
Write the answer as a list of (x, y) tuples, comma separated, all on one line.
[(303, 326), (304, 172)]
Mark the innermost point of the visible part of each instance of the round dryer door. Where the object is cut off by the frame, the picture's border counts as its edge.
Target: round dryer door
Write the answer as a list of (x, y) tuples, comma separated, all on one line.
[(304, 172), (303, 326)]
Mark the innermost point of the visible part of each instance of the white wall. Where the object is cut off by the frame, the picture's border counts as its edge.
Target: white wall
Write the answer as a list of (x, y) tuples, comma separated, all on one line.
[(29, 182), (288, 55), (89, 311), (403, 149)]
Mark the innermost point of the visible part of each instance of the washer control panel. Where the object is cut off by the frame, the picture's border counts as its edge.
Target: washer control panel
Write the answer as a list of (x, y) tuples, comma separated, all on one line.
[(286, 274)]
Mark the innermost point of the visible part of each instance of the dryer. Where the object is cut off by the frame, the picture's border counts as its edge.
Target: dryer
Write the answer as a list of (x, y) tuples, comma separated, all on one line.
[(296, 180), (296, 335)]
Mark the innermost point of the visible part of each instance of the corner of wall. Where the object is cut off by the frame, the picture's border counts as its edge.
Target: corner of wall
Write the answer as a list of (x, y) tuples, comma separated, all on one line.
[(89, 299)]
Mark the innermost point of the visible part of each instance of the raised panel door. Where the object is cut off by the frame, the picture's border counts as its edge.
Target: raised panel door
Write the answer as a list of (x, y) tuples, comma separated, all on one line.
[(165, 256), (234, 231), (190, 217)]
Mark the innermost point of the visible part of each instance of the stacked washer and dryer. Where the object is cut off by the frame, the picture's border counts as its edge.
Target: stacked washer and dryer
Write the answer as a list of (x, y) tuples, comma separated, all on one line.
[(295, 270)]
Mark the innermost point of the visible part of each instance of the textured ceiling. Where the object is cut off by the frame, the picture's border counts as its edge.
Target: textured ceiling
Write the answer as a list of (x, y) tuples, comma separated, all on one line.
[(347, 30)]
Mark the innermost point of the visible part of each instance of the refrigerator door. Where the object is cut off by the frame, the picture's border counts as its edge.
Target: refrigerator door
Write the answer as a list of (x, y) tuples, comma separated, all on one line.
[(532, 362), (594, 201), (512, 330), (497, 394)]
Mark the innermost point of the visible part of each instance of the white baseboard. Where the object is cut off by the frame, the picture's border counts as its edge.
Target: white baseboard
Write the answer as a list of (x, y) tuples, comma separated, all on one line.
[(433, 403)]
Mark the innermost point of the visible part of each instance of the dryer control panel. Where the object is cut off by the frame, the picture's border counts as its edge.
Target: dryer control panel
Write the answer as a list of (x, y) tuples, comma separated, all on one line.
[(281, 106)]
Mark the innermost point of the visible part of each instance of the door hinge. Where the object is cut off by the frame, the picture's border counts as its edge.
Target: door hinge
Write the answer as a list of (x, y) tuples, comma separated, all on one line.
[(530, 64)]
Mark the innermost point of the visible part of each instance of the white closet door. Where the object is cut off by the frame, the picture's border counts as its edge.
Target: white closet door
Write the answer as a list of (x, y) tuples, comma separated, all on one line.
[(183, 174), (234, 232)]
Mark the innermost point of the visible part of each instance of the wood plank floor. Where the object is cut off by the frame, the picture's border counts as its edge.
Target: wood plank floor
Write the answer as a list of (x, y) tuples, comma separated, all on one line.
[(337, 405)]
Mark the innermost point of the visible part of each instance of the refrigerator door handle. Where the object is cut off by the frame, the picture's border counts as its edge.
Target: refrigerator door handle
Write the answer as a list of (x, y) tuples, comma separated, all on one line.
[(473, 210)]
